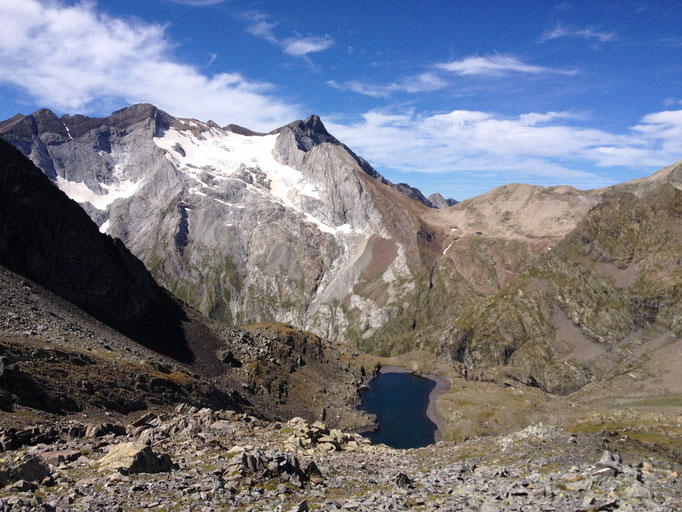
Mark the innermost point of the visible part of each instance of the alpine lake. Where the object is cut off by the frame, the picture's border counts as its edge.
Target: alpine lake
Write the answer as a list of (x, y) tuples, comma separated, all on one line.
[(399, 401)]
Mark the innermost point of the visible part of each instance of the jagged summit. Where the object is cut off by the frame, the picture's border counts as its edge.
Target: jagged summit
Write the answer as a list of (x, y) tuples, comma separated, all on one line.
[(438, 201), (309, 133)]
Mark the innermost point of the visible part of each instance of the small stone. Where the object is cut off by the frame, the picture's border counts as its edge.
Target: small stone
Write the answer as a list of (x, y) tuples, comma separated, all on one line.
[(301, 507), (23, 486), (403, 481)]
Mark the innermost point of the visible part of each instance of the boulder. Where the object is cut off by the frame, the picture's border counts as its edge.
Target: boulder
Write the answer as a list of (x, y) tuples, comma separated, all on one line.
[(130, 458), (56, 457), (31, 468), (23, 486), (608, 465)]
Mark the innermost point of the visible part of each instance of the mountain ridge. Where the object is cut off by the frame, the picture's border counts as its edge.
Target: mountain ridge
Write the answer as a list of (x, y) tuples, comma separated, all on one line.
[(293, 226)]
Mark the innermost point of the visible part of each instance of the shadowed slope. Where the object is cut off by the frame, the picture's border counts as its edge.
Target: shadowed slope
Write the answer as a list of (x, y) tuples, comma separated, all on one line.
[(48, 238)]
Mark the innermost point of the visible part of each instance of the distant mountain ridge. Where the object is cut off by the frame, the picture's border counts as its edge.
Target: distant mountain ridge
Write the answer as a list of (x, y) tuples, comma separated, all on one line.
[(293, 226), (573, 315)]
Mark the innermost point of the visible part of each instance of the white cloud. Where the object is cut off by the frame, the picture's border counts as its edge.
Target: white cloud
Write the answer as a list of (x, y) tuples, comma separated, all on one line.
[(77, 59), (302, 46), (665, 126), (359, 87), (495, 65), (534, 118), (424, 82), (671, 101), (261, 27), (437, 76), (299, 46), (532, 144), (585, 33)]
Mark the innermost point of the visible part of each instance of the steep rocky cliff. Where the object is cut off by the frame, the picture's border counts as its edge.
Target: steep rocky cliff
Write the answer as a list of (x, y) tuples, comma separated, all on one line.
[(47, 237), (245, 228)]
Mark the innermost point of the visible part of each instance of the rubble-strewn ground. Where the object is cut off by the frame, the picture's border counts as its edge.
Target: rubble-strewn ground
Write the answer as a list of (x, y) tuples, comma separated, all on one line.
[(56, 358), (220, 460)]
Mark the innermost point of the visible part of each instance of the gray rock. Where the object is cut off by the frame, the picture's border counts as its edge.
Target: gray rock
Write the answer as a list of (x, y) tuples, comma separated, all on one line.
[(302, 506), (23, 486), (29, 467), (403, 481)]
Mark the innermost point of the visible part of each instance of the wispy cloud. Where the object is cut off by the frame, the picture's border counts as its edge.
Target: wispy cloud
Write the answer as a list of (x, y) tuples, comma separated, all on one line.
[(302, 46), (359, 87), (672, 41), (197, 2), (495, 65), (298, 46), (74, 58), (534, 144), (438, 76), (424, 82), (671, 101), (585, 33), (261, 27)]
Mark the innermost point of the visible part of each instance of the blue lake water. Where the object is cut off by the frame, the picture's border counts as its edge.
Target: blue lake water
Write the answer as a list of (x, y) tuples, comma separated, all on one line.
[(399, 401)]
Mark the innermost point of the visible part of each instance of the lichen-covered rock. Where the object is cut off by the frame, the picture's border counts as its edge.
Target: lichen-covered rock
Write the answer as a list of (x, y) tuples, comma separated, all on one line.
[(130, 458)]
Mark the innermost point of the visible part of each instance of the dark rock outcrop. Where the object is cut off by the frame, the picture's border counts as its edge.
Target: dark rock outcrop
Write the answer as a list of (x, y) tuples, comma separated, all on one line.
[(48, 238)]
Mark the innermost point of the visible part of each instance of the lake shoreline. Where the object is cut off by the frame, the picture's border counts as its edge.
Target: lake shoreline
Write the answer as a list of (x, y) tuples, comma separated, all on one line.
[(442, 386)]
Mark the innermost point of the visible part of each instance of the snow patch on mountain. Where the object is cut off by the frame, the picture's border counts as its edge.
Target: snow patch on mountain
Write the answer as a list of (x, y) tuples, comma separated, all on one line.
[(81, 193), (223, 153)]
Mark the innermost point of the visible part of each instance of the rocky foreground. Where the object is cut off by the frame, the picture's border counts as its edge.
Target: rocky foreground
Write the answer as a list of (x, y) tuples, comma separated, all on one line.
[(191, 459)]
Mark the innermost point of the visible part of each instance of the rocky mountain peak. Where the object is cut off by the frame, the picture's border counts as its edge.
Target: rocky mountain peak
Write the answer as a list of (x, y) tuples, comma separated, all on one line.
[(40, 121), (315, 124), (11, 120), (438, 201), (308, 133), (240, 130)]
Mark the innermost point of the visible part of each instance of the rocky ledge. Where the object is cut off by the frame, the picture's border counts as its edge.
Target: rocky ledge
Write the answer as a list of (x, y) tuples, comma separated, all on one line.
[(202, 459)]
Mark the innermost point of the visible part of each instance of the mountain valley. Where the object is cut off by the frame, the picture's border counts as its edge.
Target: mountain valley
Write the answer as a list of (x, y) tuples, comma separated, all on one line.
[(148, 261)]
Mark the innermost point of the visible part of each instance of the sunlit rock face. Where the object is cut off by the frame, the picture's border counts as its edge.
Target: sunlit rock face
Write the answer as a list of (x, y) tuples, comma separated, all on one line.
[(244, 227)]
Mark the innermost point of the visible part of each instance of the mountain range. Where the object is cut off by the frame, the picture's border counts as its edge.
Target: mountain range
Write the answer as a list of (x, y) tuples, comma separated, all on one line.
[(555, 286)]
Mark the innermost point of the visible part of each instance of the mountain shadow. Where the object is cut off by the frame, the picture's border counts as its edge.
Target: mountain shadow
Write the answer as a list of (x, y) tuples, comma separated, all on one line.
[(48, 238)]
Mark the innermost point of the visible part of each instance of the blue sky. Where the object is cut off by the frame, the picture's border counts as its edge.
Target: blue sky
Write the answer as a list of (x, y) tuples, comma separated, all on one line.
[(454, 97)]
